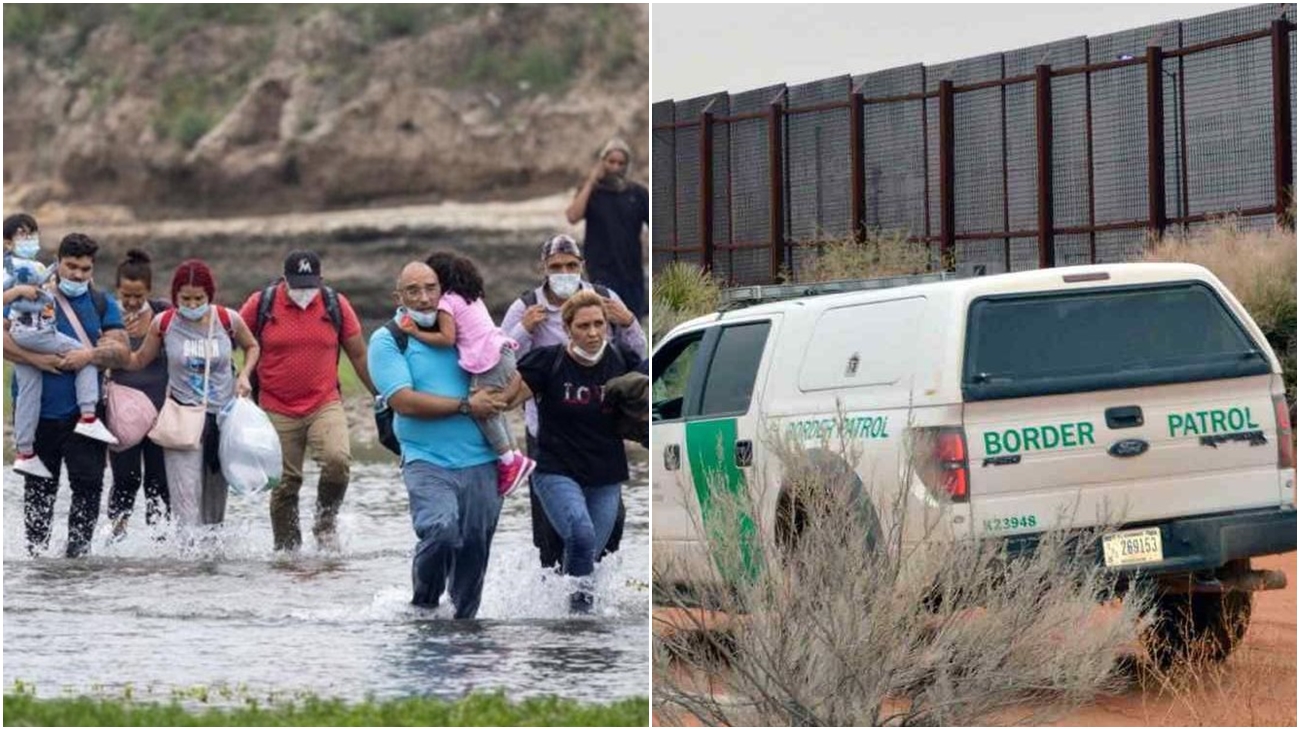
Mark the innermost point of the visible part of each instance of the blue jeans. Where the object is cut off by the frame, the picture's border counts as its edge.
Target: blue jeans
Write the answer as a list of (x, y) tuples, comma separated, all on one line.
[(454, 513), (584, 518)]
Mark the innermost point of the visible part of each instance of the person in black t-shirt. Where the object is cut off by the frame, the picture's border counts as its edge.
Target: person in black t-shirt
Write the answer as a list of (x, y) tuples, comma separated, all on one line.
[(616, 210), (581, 463)]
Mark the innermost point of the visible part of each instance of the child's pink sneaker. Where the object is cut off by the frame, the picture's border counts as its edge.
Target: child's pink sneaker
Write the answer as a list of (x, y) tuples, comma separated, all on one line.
[(510, 476)]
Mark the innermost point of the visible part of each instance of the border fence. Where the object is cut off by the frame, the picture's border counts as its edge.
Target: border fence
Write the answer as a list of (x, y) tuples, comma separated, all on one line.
[(1064, 153)]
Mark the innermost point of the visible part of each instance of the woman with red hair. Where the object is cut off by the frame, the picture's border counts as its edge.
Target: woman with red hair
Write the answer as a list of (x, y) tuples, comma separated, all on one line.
[(198, 350)]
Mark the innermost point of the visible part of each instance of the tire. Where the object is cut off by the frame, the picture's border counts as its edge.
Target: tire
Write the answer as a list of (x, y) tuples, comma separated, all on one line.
[(1197, 627), (792, 513)]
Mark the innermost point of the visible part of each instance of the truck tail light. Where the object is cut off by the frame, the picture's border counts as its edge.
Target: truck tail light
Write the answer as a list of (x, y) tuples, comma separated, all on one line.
[(1285, 436), (943, 464)]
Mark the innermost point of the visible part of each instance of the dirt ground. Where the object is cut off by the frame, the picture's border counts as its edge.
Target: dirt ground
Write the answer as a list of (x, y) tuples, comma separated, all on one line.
[(1256, 686)]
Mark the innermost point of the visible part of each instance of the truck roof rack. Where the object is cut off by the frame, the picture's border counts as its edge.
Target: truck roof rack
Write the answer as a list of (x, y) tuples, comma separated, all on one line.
[(746, 296)]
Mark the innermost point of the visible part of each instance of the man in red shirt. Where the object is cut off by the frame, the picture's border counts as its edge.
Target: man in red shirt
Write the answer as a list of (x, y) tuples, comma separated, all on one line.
[(301, 331)]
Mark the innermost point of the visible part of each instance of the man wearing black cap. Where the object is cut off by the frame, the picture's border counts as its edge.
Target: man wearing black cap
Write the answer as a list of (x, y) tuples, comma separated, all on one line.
[(301, 325)]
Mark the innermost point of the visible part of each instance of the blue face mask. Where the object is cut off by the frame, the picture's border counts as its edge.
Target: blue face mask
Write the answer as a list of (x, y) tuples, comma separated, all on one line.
[(72, 289), (425, 320), (27, 248), (193, 313)]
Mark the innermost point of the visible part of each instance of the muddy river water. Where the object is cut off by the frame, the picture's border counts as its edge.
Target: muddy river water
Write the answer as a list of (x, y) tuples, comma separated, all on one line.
[(242, 621)]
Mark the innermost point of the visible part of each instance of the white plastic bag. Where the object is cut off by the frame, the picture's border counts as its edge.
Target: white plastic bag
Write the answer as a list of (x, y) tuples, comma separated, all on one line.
[(249, 448)]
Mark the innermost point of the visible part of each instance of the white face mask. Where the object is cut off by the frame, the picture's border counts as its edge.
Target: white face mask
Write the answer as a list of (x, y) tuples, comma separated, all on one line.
[(564, 285), (303, 297), (588, 357)]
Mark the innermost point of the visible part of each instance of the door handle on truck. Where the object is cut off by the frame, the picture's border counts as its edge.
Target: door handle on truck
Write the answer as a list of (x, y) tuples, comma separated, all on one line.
[(744, 453), (1124, 417), (672, 457)]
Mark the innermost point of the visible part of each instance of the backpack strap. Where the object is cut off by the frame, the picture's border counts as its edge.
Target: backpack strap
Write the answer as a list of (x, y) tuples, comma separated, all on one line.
[(399, 336), (264, 303), (333, 309), (227, 323), (529, 298), (166, 321), (267, 299)]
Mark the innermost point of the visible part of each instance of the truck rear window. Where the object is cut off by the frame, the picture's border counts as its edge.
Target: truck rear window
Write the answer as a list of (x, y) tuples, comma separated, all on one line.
[(1101, 339)]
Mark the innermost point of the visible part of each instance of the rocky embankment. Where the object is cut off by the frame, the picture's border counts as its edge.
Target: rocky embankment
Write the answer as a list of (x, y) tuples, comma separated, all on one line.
[(241, 109)]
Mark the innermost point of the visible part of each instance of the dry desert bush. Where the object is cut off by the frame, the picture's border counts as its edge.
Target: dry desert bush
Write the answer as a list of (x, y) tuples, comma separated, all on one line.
[(831, 616)]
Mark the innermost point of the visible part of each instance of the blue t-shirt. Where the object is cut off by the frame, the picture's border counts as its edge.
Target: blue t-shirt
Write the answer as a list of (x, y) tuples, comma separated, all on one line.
[(453, 442), (59, 392)]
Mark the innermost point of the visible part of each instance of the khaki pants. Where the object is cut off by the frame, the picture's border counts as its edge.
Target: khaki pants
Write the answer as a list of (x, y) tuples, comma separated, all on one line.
[(326, 432)]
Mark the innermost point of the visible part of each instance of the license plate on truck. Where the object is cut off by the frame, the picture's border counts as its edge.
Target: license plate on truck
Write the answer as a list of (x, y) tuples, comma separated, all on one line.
[(1133, 547)]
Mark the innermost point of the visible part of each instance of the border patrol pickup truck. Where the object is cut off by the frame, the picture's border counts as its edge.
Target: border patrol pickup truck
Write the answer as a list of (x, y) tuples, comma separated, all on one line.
[(1143, 392)]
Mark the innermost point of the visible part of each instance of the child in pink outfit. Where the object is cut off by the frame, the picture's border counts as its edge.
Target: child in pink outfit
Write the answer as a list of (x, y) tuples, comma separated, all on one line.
[(483, 350)]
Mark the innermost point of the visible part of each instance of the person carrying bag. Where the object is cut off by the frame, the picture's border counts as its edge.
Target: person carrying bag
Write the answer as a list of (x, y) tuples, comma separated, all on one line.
[(180, 427), (199, 372)]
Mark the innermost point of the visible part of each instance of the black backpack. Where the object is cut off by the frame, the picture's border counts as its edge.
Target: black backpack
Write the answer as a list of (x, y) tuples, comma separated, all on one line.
[(264, 304), (384, 416)]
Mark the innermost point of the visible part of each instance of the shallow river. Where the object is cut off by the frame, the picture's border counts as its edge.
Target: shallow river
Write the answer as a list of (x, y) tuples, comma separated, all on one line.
[(244, 622)]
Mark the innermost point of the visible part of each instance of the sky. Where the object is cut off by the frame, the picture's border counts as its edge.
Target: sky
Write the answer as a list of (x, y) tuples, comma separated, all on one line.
[(700, 49)]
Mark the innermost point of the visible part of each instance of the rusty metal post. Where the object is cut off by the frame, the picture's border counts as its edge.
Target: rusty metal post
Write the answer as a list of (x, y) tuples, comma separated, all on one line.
[(706, 191), (1283, 174), (1043, 129), (1092, 185), (857, 170), (776, 217), (1006, 172), (1155, 141), (1183, 204), (947, 179)]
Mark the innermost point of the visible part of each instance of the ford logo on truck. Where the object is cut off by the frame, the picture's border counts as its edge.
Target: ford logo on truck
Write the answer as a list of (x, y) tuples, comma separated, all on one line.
[(1128, 447)]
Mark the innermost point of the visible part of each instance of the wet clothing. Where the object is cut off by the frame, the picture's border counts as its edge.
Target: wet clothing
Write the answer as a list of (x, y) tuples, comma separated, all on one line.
[(140, 464), (577, 437), (612, 242), (56, 445), (55, 442), (325, 432), (143, 463), (581, 463), (196, 486), (584, 517), (297, 376), (454, 513), (450, 474), (194, 480), (550, 331)]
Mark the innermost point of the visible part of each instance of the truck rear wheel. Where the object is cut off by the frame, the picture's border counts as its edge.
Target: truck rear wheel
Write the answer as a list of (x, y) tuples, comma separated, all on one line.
[(1197, 627)]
